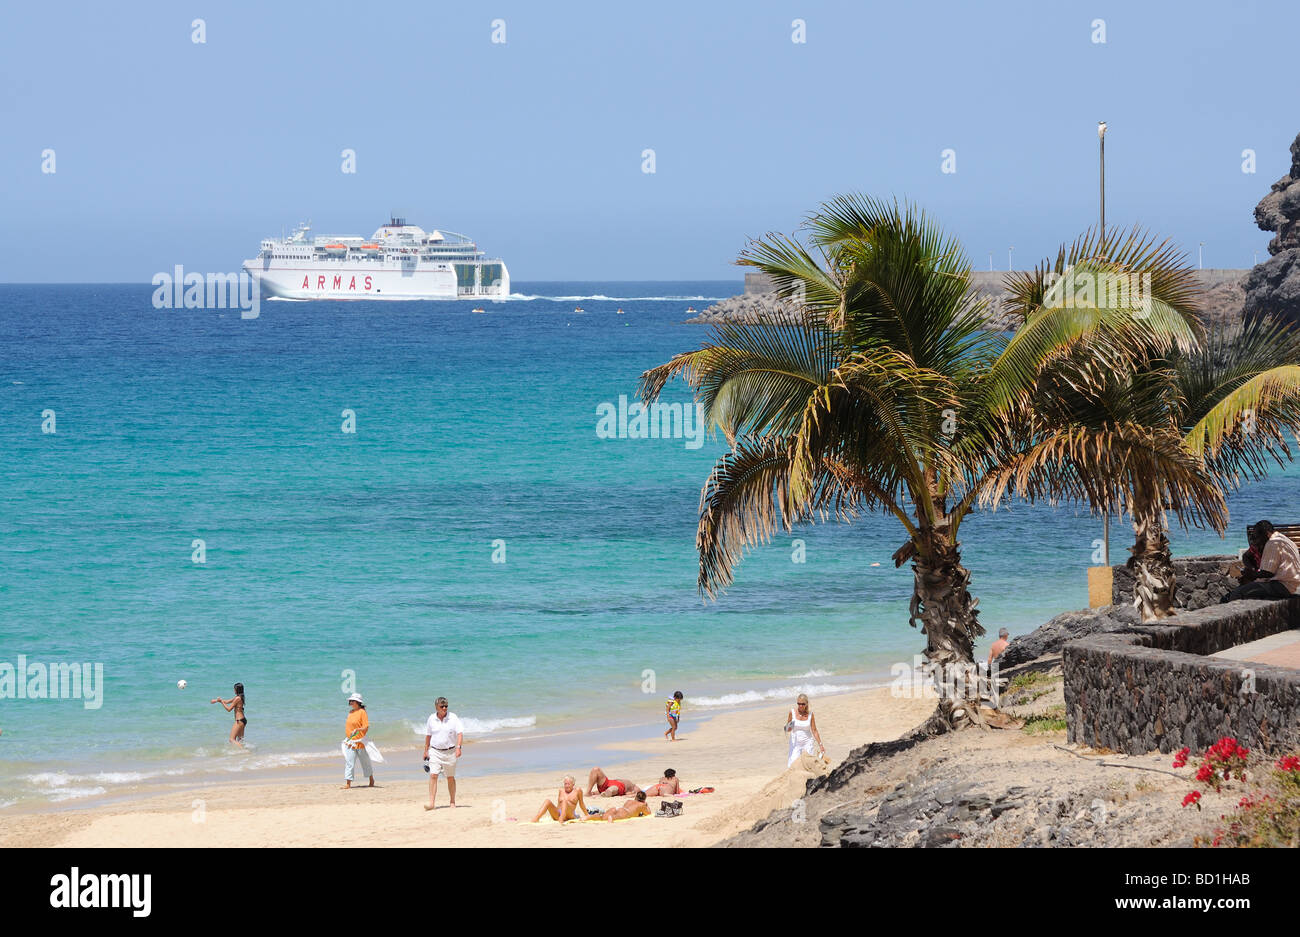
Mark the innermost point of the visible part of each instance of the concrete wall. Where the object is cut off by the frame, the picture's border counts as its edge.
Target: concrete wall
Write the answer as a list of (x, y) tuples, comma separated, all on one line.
[(1158, 686)]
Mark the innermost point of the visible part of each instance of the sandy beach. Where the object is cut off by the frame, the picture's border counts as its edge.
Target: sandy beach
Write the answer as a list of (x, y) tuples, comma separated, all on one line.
[(741, 754)]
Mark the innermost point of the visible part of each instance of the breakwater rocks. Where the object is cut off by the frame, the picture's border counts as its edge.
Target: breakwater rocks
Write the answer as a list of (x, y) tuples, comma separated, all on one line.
[(1273, 287), (1223, 299)]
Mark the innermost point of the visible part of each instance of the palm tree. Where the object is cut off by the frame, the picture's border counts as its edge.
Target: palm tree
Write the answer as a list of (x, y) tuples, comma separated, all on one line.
[(887, 394), (1227, 400)]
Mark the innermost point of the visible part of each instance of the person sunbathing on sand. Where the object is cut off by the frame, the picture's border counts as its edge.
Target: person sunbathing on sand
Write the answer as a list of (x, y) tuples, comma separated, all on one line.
[(568, 803), (633, 808), (598, 781), (668, 785)]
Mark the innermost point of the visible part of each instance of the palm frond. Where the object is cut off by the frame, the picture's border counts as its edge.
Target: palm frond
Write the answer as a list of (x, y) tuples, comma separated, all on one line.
[(747, 499), (753, 378), (1098, 466)]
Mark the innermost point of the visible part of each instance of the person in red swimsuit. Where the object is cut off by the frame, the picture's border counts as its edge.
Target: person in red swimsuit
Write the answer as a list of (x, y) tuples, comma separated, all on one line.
[(600, 783)]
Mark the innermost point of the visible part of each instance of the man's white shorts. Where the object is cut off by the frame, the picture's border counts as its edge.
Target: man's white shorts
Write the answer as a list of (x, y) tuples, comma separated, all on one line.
[(443, 763)]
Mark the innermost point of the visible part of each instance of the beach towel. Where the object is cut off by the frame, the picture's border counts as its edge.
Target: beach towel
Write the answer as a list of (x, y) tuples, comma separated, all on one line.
[(591, 821)]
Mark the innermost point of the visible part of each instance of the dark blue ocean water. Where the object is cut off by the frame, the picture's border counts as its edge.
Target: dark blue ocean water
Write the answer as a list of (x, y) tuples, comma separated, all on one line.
[(367, 557)]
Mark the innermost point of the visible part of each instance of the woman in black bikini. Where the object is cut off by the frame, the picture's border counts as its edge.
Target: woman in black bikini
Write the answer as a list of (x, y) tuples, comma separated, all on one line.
[(235, 704)]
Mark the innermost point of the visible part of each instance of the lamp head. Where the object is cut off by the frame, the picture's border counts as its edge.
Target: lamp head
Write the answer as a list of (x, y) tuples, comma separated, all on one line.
[(1101, 129)]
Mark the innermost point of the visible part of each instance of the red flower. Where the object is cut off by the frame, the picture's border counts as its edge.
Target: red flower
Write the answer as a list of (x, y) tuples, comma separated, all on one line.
[(1192, 798), (1180, 758), (1289, 763), (1205, 773)]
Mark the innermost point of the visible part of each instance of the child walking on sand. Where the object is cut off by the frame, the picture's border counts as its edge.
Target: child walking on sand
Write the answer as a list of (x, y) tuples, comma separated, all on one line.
[(674, 708)]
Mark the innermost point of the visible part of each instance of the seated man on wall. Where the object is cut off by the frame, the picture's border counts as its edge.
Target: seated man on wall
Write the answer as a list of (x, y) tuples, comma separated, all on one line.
[(1278, 575)]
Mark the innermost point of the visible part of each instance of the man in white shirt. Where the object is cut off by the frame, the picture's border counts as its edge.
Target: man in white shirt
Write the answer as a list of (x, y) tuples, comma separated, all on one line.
[(1278, 575), (443, 736)]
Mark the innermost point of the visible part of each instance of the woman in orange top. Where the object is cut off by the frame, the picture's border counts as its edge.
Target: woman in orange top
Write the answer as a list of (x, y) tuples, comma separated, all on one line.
[(356, 727)]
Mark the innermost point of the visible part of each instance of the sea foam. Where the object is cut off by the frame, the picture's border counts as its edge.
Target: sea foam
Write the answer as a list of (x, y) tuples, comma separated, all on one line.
[(781, 692), (474, 726)]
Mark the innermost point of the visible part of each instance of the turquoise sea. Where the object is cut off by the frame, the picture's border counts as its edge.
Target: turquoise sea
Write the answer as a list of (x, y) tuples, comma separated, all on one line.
[(367, 557)]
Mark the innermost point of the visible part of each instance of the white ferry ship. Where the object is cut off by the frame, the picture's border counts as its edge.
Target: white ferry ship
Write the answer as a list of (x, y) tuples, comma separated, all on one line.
[(399, 261)]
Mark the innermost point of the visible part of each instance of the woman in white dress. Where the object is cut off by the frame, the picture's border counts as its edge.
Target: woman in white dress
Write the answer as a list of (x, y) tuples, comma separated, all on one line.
[(802, 726)]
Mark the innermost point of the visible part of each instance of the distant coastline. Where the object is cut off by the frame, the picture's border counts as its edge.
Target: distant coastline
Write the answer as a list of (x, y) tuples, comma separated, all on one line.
[(1224, 299)]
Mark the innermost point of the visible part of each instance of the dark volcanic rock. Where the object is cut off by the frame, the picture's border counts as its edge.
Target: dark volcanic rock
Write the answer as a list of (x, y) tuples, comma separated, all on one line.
[(923, 812), (1051, 637), (1273, 287)]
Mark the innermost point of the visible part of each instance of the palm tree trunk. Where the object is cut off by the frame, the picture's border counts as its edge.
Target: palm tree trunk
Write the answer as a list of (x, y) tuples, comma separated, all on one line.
[(949, 619), (1154, 580)]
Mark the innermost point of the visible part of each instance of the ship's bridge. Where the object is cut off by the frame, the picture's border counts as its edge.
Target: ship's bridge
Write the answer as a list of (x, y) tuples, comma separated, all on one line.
[(406, 232)]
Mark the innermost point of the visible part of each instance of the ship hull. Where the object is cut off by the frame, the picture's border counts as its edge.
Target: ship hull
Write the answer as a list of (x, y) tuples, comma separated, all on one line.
[(376, 280)]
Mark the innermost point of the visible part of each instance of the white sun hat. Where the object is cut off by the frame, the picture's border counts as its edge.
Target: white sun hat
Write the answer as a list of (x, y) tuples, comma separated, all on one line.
[(356, 698)]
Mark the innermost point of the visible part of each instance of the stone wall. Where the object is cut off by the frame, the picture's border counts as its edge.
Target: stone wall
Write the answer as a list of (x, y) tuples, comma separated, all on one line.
[(1155, 686), (1202, 581)]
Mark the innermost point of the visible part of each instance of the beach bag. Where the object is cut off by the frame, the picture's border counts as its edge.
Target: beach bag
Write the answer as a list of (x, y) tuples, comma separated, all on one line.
[(371, 749)]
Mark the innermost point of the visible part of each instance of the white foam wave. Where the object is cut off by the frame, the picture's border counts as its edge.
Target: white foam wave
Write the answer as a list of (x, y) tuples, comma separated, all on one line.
[(485, 726), (72, 793), (600, 297), (119, 777), (49, 779), (285, 760), (811, 673), (58, 780), (57, 785), (782, 692)]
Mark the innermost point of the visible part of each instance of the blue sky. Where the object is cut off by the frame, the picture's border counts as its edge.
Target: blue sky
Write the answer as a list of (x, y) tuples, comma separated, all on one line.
[(173, 152)]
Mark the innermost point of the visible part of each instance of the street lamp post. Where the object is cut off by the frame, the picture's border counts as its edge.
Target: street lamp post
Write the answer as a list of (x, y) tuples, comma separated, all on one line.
[(1200, 256), (1009, 265), (1101, 138)]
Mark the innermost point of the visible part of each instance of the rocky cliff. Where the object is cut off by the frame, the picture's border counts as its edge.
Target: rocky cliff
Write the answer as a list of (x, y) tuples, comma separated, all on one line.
[(1273, 287)]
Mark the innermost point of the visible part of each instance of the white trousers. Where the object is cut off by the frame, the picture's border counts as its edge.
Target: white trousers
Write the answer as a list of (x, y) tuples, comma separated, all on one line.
[(351, 757)]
